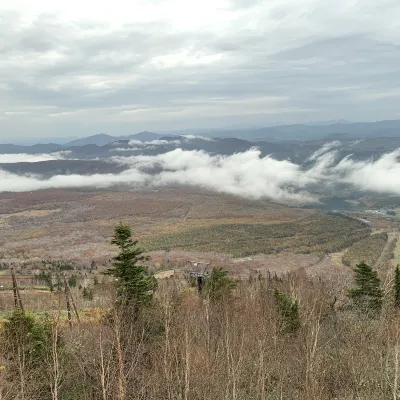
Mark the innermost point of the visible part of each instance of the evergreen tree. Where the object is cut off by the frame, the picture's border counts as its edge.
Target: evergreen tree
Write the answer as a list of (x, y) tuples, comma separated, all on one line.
[(219, 285), (87, 294), (30, 344), (289, 310), (72, 281), (135, 285), (397, 287), (25, 334), (367, 294)]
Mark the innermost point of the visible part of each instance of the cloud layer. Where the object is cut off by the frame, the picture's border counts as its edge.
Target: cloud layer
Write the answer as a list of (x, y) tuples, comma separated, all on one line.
[(245, 174), (21, 157), (85, 67), (153, 144)]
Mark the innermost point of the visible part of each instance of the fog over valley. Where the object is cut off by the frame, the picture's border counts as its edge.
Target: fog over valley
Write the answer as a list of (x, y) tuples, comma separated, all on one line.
[(247, 170)]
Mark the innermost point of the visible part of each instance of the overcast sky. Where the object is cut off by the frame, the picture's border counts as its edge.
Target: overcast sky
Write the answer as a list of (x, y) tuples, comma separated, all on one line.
[(81, 67)]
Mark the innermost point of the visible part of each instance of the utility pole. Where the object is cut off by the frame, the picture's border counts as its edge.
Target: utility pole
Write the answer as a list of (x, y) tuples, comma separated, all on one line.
[(69, 316), (17, 296), (68, 297)]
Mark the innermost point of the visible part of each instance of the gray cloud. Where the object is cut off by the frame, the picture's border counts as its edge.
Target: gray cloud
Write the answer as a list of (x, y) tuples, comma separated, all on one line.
[(264, 62)]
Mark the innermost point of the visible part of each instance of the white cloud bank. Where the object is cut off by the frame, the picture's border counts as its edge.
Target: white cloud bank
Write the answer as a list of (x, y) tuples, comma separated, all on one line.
[(244, 174), (382, 175), (31, 158)]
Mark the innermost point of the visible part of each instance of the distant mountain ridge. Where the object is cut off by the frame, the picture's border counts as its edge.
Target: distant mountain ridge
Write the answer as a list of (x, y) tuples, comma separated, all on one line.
[(325, 130), (343, 131), (33, 149), (93, 159), (275, 134), (102, 139)]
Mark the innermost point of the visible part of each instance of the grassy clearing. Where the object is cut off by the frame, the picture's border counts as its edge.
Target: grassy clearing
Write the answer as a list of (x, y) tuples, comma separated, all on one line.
[(337, 259), (366, 250), (318, 233)]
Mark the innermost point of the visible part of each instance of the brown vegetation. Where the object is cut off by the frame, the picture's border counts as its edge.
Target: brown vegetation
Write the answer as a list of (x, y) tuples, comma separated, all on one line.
[(268, 336), (75, 225), (186, 347)]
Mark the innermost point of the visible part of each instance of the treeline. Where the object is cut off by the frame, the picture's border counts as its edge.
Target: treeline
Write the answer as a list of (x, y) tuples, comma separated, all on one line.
[(269, 337)]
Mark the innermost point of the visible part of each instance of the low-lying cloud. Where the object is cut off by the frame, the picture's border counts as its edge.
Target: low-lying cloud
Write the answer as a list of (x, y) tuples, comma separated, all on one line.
[(156, 142), (245, 174), (31, 158), (381, 175), (194, 137), (324, 149), (134, 145)]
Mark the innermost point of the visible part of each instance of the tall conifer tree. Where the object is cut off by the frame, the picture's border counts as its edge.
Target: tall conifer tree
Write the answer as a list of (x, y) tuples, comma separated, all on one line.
[(367, 294), (135, 285)]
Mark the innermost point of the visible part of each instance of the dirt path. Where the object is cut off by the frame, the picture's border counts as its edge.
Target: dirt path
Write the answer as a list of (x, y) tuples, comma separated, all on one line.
[(187, 212)]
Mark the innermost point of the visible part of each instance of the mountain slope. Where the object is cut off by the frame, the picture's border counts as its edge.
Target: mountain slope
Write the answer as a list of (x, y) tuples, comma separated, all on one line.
[(35, 149), (144, 136), (100, 139), (63, 167), (341, 131)]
